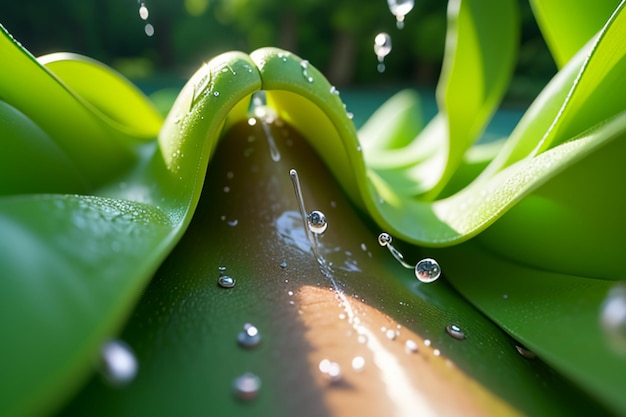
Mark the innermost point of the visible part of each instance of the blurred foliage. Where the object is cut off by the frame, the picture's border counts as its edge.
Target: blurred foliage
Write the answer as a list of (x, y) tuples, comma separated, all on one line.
[(335, 35)]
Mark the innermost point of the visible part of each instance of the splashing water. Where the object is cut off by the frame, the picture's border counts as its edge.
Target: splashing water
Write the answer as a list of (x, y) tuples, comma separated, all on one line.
[(382, 48), (427, 270), (267, 116), (400, 8)]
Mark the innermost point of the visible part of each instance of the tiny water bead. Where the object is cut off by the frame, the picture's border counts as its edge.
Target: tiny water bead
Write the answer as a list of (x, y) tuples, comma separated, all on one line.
[(331, 370), (144, 13), (358, 362), (316, 221), (382, 48), (410, 346), (305, 70), (427, 270), (118, 363), (455, 332), (226, 281), (400, 8), (249, 337), (247, 386), (283, 264)]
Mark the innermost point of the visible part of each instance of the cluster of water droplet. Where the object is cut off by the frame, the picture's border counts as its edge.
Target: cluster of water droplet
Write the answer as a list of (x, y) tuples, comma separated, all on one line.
[(426, 270)]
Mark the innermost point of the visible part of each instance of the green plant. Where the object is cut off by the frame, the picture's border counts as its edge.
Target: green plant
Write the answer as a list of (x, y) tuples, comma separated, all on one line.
[(536, 217)]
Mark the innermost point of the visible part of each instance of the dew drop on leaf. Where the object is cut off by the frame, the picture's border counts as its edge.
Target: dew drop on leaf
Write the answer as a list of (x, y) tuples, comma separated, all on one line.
[(613, 317), (247, 386), (118, 363), (427, 270)]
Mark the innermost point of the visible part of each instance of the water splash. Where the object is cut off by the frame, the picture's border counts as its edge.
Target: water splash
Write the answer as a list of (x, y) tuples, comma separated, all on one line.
[(382, 48), (400, 8), (266, 116)]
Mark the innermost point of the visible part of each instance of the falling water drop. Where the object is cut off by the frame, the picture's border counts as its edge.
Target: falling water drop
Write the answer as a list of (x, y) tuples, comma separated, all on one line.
[(249, 337), (382, 48), (247, 386), (427, 270), (400, 8), (316, 221), (149, 29), (455, 331), (143, 11), (118, 363), (613, 317)]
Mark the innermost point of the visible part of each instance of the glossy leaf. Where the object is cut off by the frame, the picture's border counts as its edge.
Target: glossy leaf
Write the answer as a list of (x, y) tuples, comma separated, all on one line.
[(567, 27)]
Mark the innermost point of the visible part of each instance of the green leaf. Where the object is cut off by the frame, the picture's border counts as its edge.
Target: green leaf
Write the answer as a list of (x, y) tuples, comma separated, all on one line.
[(555, 315), (568, 27), (185, 328)]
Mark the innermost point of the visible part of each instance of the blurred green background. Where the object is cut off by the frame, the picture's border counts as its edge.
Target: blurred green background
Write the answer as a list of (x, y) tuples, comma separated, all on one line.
[(334, 35)]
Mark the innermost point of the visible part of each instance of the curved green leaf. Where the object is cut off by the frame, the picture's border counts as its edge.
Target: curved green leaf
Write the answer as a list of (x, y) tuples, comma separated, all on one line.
[(568, 27)]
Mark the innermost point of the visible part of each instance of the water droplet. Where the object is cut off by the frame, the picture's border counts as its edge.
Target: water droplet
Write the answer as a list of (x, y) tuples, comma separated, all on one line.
[(410, 346), (384, 239), (317, 223), (247, 386), (249, 337), (427, 342), (391, 334), (427, 270), (290, 293), (455, 331), (144, 13), (226, 281), (283, 264), (362, 339), (613, 317), (331, 370), (216, 93), (382, 48), (118, 363), (333, 90), (232, 223), (525, 352), (436, 352), (149, 29), (221, 268), (358, 362), (400, 8)]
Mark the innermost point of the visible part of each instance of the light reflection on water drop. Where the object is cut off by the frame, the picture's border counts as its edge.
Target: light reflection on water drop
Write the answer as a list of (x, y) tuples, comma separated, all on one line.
[(316, 220), (226, 281), (400, 8), (249, 337), (149, 29), (144, 13), (613, 317), (382, 48), (525, 352), (247, 386), (358, 362), (118, 363), (410, 346), (455, 332), (331, 370), (427, 270)]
